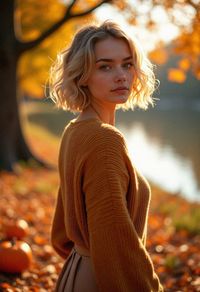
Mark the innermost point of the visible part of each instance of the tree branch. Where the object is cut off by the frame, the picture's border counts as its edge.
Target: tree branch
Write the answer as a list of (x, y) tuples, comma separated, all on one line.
[(21, 47), (90, 10), (195, 6)]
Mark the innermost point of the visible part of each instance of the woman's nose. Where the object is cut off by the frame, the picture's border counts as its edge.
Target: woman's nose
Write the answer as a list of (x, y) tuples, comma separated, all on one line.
[(120, 75)]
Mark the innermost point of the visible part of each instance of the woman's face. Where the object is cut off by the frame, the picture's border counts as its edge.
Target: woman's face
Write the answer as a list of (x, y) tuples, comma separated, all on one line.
[(111, 79)]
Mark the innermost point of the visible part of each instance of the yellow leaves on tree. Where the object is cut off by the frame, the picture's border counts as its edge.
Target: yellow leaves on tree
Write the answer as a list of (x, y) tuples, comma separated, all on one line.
[(158, 56), (34, 18), (184, 64), (176, 75), (188, 44), (121, 5), (33, 73), (83, 5), (197, 72)]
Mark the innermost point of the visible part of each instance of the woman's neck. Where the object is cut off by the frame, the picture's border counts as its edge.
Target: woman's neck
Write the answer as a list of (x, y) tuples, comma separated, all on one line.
[(95, 111), (107, 116)]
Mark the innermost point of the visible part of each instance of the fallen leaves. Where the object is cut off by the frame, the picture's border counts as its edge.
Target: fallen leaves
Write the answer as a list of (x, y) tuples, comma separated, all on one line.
[(36, 208), (175, 253)]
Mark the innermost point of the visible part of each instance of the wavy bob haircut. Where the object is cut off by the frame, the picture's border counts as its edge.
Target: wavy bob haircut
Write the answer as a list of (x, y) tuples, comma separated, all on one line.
[(74, 65)]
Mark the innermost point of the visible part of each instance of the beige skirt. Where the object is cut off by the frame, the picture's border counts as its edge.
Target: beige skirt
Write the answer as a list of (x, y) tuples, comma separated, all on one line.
[(77, 274)]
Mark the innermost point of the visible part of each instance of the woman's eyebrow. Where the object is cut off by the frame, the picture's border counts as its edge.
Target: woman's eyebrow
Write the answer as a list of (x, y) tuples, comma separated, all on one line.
[(111, 60)]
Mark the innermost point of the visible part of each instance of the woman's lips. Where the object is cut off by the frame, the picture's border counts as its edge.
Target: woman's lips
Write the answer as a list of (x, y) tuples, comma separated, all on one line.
[(120, 89)]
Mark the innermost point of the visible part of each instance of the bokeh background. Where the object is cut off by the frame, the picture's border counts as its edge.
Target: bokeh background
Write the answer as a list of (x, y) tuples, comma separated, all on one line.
[(164, 141)]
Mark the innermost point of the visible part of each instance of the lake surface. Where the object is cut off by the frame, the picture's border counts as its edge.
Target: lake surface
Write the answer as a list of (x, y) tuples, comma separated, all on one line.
[(164, 143), (165, 147)]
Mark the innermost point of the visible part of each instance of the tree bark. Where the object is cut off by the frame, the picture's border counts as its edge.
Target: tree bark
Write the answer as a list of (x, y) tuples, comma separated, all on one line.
[(13, 147), (9, 108)]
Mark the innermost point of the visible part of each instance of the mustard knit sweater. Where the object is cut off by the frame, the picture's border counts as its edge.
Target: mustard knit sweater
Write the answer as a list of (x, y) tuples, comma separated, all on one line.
[(102, 205)]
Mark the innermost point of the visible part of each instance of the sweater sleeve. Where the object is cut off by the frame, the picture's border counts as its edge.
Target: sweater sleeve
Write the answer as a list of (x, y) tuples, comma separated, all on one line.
[(59, 240), (120, 260)]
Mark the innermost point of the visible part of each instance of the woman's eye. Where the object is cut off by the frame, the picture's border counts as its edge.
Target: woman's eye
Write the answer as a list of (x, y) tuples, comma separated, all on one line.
[(105, 67), (128, 65)]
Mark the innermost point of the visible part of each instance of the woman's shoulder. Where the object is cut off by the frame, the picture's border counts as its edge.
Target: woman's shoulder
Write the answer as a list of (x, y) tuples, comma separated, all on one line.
[(95, 131)]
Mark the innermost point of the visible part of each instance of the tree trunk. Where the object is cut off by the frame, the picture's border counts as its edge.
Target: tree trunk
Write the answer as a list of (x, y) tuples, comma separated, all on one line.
[(13, 147)]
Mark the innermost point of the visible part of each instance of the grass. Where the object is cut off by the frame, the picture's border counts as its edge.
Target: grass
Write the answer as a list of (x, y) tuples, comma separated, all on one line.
[(189, 222), (45, 115), (34, 132), (184, 215)]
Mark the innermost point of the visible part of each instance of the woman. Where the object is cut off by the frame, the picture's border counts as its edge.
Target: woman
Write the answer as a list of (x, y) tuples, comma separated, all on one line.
[(100, 219)]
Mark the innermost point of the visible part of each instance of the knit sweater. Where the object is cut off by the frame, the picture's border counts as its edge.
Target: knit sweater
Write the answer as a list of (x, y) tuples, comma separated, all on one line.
[(102, 205)]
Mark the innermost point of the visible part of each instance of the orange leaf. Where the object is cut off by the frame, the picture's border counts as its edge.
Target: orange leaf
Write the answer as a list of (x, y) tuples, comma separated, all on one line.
[(197, 72), (184, 64), (176, 75), (159, 56)]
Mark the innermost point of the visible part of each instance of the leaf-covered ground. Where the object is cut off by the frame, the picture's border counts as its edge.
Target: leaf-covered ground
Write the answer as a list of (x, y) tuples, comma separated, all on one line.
[(173, 234)]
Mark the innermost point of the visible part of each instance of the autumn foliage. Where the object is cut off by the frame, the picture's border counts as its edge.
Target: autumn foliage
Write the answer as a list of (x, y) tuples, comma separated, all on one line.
[(32, 19)]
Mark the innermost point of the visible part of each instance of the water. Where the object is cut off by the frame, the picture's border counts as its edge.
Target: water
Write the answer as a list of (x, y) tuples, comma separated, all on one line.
[(165, 146)]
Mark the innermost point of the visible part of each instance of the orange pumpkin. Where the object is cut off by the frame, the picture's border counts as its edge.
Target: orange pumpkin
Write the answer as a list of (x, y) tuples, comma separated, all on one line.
[(15, 256), (18, 229)]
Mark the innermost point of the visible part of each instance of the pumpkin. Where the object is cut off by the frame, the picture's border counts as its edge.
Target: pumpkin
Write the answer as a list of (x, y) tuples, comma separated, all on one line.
[(18, 229), (15, 256)]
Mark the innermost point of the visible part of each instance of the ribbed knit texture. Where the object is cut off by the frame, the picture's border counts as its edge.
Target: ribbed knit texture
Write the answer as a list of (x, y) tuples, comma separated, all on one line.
[(103, 206)]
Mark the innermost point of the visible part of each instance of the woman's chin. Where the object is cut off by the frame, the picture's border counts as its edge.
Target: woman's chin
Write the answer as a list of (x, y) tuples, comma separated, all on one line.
[(122, 99)]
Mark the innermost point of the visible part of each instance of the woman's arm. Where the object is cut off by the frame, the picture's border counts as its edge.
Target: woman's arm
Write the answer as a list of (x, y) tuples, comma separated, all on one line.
[(121, 262), (59, 240)]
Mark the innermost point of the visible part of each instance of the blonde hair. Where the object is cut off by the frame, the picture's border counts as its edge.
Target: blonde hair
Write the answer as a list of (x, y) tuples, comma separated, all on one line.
[(75, 63)]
